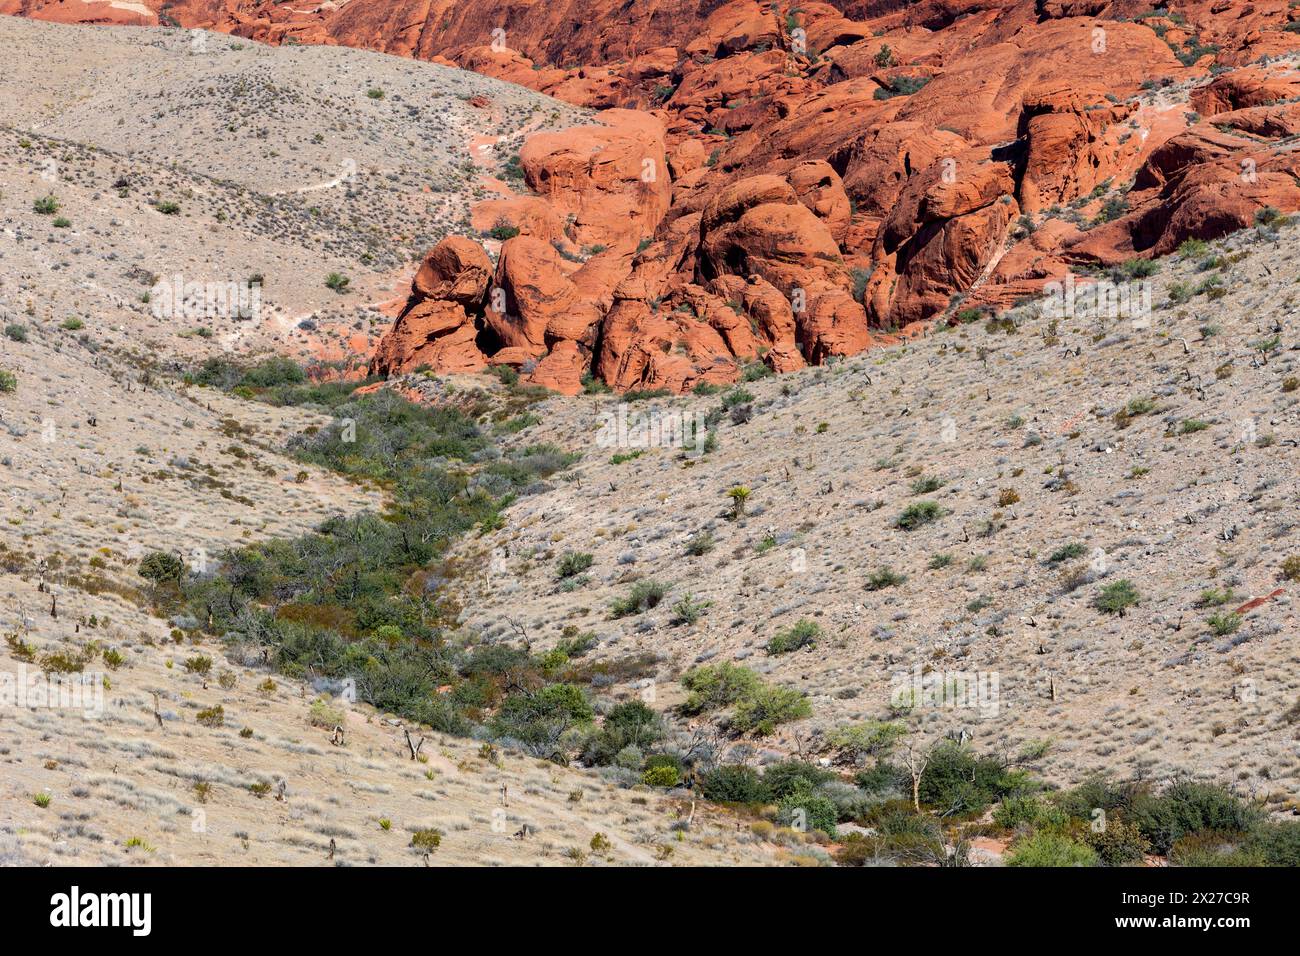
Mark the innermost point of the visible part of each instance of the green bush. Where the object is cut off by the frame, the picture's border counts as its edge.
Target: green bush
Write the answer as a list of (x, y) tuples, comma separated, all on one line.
[(1212, 848), (883, 578), (661, 776), (1028, 811), (644, 596), (8, 381), (917, 514), (629, 724), (1116, 597), (573, 563), (161, 566), (761, 710), (735, 783), (955, 781), (1118, 843), (806, 811), (1049, 849), (1066, 552), (715, 686), (540, 719), (794, 776), (804, 633), (1187, 807)]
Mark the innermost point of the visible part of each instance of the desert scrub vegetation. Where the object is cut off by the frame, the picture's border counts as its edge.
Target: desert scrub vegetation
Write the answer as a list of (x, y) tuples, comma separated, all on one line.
[(643, 596), (803, 633), (359, 596), (757, 707), (917, 514), (573, 563), (1098, 823), (1117, 597)]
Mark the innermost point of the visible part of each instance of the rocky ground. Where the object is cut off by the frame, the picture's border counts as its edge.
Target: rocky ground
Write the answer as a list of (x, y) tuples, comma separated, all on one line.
[(221, 160), (1019, 432), (107, 455)]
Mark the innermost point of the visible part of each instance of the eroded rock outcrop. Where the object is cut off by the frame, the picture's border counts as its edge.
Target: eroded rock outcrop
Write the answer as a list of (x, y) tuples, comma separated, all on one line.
[(791, 185), (437, 327)]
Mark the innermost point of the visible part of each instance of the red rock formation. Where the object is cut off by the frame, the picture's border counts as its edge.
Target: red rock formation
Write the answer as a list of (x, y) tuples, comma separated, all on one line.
[(435, 328), (789, 184)]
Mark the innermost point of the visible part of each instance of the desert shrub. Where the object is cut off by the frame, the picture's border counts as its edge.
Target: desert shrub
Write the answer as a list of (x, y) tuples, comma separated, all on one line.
[(273, 372), (761, 710), (8, 381), (1118, 842), (16, 333), (632, 723), (573, 563), (873, 739), (1212, 848), (714, 686), (882, 578), (1096, 792), (211, 716), (699, 545), (883, 779), (661, 776), (1221, 624), (957, 782), (199, 665), (540, 719), (644, 596), (917, 514), (803, 633), (1066, 553), (1276, 842), (427, 839), (735, 783), (1116, 597), (794, 776), (805, 811), (1028, 811), (1187, 807), (688, 610), (503, 229), (323, 714), (161, 566), (925, 485), (901, 86), (1049, 849)]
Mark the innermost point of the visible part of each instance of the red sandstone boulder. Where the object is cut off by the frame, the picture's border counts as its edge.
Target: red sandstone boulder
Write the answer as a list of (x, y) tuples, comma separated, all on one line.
[(612, 180), (435, 329)]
